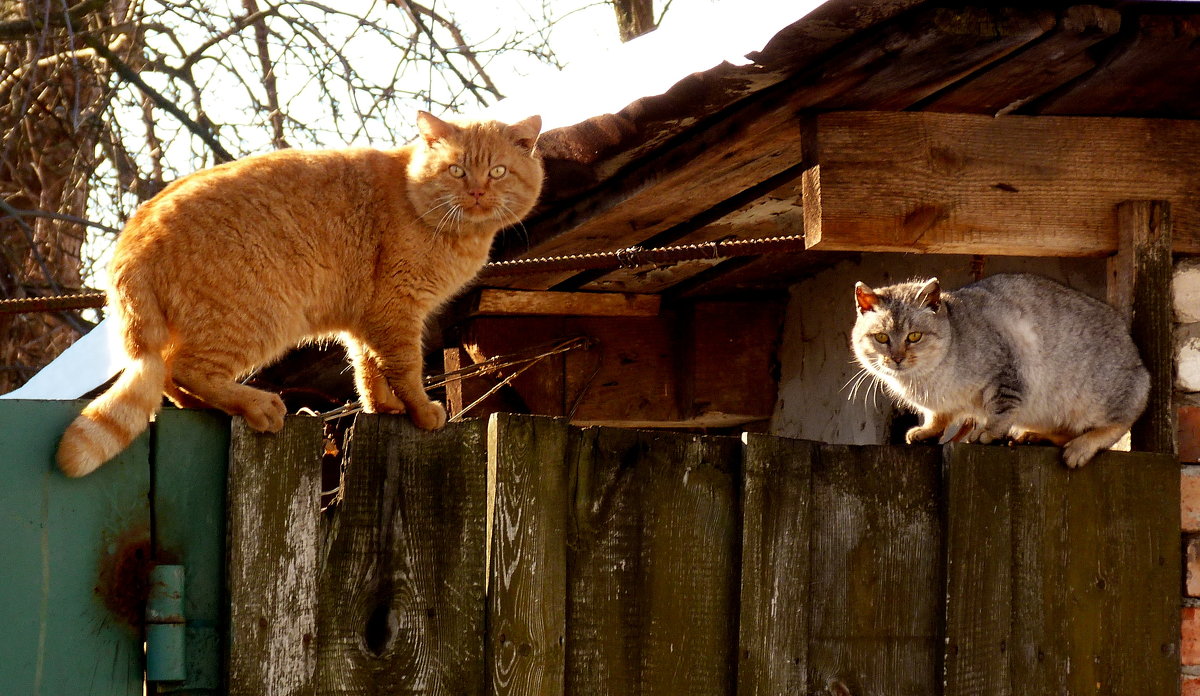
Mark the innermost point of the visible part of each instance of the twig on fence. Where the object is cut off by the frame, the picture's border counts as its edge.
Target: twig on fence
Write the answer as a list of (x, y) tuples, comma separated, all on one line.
[(525, 358)]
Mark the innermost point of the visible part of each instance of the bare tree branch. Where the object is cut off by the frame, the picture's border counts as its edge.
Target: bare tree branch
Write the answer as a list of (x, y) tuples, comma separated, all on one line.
[(415, 15), (18, 29), (163, 103)]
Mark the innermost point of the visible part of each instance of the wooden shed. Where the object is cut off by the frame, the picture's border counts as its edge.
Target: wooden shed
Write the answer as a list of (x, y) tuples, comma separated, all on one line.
[(688, 499)]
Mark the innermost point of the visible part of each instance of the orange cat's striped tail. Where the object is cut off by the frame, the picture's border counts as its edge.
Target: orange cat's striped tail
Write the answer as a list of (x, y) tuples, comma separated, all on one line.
[(108, 424)]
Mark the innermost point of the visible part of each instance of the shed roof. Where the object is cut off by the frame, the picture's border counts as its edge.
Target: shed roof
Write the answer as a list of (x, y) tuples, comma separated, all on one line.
[(719, 155)]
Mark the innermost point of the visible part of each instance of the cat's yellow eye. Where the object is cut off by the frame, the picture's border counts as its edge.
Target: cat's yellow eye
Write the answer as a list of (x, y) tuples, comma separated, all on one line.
[(882, 338), (456, 171), (498, 171), (915, 336)]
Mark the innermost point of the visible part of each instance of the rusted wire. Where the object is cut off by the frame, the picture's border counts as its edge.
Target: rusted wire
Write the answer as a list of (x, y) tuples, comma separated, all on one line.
[(629, 257), (634, 256), (56, 303)]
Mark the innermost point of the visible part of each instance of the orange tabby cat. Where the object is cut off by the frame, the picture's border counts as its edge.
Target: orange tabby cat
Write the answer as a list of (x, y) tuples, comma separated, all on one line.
[(230, 267)]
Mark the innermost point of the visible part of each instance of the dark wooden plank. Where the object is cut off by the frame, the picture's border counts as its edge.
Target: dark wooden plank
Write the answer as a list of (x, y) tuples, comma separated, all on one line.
[(1140, 585), (1140, 284), (731, 359), (876, 564), (191, 466), (274, 508), (1054, 59), (527, 575), (70, 624), (1085, 599), (978, 495), (773, 622), (653, 564), (914, 56), (1151, 74), (604, 602), (401, 591)]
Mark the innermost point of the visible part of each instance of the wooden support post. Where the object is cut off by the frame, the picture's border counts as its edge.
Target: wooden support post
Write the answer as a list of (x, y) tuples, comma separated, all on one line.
[(1140, 286)]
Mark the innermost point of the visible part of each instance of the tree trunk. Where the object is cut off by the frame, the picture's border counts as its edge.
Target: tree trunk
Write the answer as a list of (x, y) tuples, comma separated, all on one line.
[(634, 17), (51, 93)]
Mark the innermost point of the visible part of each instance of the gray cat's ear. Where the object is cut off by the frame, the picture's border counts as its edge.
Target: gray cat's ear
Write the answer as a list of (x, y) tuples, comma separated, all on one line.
[(525, 133), (930, 294), (865, 297), (433, 128)]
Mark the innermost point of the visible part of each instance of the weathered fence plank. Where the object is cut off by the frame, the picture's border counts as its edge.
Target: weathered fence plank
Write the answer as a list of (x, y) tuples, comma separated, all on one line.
[(1079, 594), (527, 596), (616, 558), (274, 506), (876, 560), (777, 475), (979, 558), (652, 563), (401, 595)]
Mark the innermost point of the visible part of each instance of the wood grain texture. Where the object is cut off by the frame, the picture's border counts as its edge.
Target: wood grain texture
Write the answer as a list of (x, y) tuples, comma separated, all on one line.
[(401, 591), (1049, 62), (914, 56), (527, 568), (585, 304), (274, 508), (773, 623), (1080, 597), (718, 159), (979, 583), (1152, 73), (876, 565), (1023, 186), (1141, 275), (652, 561)]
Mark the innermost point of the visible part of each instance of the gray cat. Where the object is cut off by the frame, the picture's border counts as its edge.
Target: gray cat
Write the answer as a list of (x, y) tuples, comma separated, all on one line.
[(1013, 355)]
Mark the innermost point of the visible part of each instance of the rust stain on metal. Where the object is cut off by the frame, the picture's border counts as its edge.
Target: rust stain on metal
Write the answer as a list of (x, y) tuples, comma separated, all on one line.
[(123, 574)]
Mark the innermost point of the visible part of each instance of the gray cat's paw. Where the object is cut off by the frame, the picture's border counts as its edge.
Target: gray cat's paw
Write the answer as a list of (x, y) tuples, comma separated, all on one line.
[(1078, 452)]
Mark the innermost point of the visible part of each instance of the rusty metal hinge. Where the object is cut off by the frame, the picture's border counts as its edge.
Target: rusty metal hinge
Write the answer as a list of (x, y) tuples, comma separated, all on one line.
[(166, 625)]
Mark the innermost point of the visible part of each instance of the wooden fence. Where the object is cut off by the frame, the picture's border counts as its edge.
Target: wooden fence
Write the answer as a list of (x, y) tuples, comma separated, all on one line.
[(525, 556)]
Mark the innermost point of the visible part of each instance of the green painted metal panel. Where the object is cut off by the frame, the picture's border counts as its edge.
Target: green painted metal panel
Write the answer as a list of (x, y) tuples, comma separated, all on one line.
[(191, 452), (72, 552)]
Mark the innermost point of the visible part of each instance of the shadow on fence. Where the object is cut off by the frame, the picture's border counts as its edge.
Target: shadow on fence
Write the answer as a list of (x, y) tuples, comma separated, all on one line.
[(526, 556)]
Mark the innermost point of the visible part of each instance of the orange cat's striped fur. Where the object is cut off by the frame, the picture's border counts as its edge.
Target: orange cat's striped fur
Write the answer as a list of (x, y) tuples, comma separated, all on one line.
[(229, 267)]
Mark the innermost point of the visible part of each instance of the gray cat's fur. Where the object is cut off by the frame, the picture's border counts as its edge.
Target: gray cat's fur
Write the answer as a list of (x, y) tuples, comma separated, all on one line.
[(1013, 355)]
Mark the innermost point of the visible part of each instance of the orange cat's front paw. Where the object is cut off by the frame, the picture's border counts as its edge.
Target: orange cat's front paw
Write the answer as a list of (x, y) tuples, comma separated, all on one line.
[(264, 412), (431, 416)]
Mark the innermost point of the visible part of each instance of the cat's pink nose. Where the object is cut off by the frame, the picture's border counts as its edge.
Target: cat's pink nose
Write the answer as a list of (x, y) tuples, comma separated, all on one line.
[(477, 193)]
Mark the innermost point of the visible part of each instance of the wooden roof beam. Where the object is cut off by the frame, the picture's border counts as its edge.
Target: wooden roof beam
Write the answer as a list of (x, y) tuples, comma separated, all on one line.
[(1016, 185)]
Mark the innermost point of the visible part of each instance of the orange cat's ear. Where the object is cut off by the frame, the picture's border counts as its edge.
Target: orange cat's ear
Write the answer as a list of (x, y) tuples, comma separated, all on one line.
[(525, 133), (433, 128)]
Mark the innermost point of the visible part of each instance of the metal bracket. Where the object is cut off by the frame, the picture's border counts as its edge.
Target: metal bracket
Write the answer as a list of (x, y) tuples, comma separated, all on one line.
[(166, 625)]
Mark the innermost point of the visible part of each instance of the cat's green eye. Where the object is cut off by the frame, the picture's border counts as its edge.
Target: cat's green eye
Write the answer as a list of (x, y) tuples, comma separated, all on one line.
[(456, 171), (498, 171), (915, 336), (882, 338)]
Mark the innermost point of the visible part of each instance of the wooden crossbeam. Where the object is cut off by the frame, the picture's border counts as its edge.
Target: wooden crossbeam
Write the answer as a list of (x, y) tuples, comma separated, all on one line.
[(1015, 185), (497, 302)]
